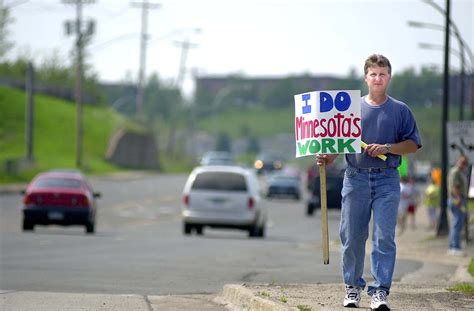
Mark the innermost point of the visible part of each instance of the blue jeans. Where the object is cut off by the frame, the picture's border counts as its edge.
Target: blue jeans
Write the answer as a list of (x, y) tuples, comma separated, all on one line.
[(366, 192), (457, 225)]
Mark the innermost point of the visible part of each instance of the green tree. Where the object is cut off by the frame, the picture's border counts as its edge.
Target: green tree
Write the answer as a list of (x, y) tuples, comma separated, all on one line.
[(5, 20), (279, 95), (253, 145), (164, 104), (53, 71), (353, 81), (417, 88), (223, 142), (161, 101)]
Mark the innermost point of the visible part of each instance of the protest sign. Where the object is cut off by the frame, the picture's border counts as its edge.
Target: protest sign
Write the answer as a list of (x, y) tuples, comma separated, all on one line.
[(328, 122)]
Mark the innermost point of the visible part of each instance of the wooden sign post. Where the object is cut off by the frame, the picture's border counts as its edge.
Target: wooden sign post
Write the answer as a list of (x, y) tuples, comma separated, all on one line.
[(324, 213)]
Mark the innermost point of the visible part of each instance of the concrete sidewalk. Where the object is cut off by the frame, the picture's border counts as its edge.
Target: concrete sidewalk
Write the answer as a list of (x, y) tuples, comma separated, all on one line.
[(425, 289)]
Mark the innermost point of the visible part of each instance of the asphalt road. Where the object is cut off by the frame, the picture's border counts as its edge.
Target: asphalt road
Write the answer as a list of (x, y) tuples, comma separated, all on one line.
[(139, 247)]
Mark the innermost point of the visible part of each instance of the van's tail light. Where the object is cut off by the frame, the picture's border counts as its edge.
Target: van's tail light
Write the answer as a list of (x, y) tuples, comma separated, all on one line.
[(186, 200), (251, 203)]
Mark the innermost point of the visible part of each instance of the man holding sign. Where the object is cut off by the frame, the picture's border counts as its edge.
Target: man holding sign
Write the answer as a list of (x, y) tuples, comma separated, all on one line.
[(372, 186)]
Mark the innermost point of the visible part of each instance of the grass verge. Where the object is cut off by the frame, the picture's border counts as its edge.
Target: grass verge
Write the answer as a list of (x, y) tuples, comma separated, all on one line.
[(462, 287)]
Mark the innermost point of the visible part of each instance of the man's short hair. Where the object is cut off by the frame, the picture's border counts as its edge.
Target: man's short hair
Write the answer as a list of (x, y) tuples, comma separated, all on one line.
[(377, 60)]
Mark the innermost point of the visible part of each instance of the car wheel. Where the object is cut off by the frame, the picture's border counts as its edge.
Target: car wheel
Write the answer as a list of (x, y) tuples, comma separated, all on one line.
[(187, 229), (254, 231), (261, 231), (90, 227), (199, 230), (27, 225)]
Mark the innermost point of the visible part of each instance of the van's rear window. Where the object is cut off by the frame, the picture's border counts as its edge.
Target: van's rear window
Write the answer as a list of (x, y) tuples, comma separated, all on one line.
[(220, 181)]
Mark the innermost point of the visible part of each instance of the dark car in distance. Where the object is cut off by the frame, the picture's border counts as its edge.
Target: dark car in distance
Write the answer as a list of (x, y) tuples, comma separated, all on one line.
[(333, 193), (59, 198), (217, 158), (284, 185), (267, 162)]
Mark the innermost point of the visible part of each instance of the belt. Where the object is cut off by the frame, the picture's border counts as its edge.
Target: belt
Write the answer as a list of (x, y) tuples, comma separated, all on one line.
[(373, 169)]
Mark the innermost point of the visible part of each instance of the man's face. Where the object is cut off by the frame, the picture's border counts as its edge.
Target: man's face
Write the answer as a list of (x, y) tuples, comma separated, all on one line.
[(377, 79)]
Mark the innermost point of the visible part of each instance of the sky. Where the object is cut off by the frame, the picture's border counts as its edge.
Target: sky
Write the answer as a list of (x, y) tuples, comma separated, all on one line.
[(252, 38)]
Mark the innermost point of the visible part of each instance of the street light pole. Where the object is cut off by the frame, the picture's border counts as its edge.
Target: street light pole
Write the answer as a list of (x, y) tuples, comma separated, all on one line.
[(461, 78), (456, 32), (443, 227), (463, 48)]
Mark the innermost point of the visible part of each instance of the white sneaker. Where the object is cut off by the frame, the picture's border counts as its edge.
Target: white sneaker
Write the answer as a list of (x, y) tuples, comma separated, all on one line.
[(379, 301), (456, 252), (352, 298)]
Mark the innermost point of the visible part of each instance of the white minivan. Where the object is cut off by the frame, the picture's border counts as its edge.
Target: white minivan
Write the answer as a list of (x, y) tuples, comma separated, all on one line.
[(223, 197)]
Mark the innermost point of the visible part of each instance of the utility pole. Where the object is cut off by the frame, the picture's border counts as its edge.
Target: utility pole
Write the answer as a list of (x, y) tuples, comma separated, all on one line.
[(77, 28), (29, 117), (462, 78), (185, 46), (145, 5)]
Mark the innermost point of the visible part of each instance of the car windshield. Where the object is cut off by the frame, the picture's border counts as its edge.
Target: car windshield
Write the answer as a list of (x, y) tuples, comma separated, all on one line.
[(57, 183), (284, 178), (220, 181), (217, 158), (217, 161)]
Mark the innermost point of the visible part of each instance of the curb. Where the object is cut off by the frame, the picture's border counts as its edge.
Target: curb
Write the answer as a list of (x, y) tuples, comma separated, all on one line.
[(12, 188), (241, 298)]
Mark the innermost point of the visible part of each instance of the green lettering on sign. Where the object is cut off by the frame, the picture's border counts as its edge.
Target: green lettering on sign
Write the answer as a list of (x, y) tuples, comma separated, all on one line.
[(303, 148), (315, 146), (341, 145), (328, 145)]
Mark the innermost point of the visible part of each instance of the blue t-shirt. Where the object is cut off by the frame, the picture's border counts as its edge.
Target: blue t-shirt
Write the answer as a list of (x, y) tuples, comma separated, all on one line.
[(389, 123)]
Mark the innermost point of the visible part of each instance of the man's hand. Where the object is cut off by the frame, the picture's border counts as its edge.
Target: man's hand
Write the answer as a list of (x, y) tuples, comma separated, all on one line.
[(323, 159), (374, 150)]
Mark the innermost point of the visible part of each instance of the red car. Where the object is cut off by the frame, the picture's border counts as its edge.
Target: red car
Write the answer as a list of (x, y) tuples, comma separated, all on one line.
[(60, 198)]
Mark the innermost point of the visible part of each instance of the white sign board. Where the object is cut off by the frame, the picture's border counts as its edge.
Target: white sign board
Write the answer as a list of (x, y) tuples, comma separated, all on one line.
[(460, 136), (328, 122)]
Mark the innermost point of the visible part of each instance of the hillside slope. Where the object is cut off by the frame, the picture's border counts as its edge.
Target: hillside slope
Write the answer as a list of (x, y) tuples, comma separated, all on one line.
[(54, 133)]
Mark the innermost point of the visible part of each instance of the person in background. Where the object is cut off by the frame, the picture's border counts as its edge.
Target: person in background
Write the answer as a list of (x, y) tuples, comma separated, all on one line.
[(457, 203), (414, 199), (432, 200), (404, 204), (371, 187)]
